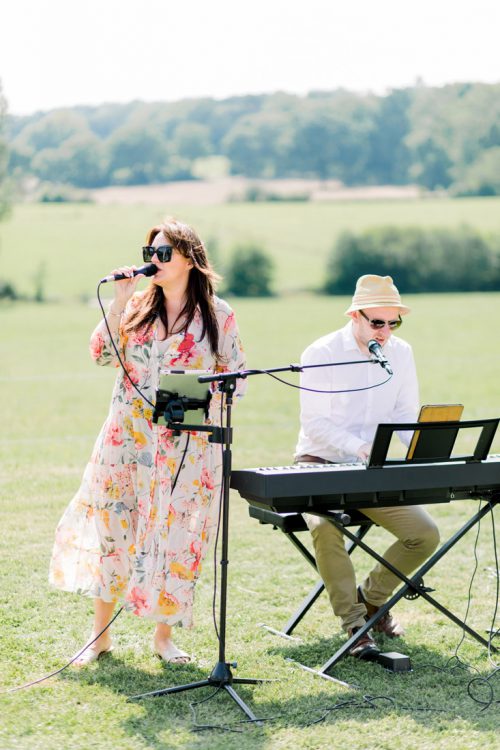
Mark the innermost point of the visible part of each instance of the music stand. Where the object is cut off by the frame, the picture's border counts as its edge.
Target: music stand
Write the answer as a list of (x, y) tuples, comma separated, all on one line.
[(435, 442), (168, 403)]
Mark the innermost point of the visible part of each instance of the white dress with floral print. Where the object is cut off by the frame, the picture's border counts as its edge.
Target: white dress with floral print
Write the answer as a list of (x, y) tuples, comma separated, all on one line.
[(125, 536)]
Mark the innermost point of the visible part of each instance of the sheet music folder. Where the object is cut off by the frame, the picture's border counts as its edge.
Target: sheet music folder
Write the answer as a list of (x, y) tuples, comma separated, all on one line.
[(437, 439), (421, 446)]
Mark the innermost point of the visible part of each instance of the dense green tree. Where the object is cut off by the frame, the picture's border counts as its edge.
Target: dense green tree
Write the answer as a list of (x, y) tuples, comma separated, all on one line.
[(482, 177), (249, 272), (439, 138), (256, 144), (51, 130), (390, 157), (137, 156), (432, 165), (79, 161), (422, 260), (191, 140), (104, 120)]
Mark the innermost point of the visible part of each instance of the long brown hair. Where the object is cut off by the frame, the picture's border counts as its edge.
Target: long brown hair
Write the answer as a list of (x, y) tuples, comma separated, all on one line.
[(200, 290)]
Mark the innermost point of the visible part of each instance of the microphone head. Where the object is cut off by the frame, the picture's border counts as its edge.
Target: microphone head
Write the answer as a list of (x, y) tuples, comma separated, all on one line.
[(373, 346), (148, 270)]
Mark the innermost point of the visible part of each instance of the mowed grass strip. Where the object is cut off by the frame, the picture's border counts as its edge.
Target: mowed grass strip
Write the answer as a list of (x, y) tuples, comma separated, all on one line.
[(54, 400)]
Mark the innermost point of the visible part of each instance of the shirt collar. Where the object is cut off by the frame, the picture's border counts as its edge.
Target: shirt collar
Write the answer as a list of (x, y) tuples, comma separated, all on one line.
[(350, 343)]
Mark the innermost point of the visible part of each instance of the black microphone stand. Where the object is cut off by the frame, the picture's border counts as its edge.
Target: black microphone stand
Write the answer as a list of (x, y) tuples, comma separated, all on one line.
[(221, 675)]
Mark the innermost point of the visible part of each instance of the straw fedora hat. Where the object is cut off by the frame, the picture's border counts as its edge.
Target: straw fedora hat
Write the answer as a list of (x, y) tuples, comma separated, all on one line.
[(376, 291)]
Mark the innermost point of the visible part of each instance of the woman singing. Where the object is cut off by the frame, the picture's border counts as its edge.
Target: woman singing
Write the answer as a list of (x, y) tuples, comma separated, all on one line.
[(138, 528)]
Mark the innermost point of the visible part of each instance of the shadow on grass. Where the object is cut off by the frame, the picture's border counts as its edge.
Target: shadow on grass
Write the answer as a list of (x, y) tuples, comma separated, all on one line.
[(433, 694), (435, 681)]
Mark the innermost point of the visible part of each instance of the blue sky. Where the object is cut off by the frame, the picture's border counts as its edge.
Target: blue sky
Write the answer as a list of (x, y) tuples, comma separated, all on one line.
[(66, 52)]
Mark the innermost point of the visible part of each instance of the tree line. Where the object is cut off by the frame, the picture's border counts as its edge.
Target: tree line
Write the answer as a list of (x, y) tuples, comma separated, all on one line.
[(438, 138)]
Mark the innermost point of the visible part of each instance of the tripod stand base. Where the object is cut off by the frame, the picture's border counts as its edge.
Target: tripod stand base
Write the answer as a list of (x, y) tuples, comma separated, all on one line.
[(220, 677)]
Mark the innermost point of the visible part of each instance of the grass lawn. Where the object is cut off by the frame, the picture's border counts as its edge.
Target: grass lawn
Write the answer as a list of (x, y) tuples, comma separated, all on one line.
[(73, 245), (54, 400)]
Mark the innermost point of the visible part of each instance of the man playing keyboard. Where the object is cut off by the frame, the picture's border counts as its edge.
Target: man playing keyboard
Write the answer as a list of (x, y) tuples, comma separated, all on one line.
[(340, 427)]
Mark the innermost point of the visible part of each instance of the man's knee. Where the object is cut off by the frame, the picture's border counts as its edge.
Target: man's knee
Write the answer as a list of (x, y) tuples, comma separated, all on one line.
[(424, 537), (326, 536)]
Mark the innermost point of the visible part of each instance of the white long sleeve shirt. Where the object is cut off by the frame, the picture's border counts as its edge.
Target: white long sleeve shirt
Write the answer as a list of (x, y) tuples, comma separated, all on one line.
[(335, 426)]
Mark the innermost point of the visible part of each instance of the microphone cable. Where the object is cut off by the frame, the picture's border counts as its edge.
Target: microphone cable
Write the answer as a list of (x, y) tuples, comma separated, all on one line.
[(68, 664), (141, 394), (316, 390), (219, 517), (174, 483), (79, 653), (477, 681), (116, 348)]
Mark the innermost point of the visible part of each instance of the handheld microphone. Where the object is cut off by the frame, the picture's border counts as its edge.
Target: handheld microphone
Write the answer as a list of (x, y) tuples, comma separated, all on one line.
[(376, 350), (148, 270)]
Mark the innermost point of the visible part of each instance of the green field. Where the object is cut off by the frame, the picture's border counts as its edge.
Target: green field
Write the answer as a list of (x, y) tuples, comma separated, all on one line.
[(54, 400), (74, 245)]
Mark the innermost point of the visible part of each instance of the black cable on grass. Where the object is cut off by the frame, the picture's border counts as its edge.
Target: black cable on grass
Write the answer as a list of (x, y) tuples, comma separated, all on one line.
[(201, 727), (366, 702), (474, 684), (61, 669), (469, 592), (483, 682)]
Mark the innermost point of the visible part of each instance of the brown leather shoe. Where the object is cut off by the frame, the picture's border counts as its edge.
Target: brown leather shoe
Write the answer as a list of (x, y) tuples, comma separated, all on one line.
[(365, 648), (388, 625)]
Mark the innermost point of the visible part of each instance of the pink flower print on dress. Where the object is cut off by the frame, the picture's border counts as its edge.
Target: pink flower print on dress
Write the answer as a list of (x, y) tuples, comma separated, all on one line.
[(133, 375), (114, 435), (185, 350), (229, 323), (139, 601), (195, 549), (96, 346), (165, 438), (142, 336), (207, 479)]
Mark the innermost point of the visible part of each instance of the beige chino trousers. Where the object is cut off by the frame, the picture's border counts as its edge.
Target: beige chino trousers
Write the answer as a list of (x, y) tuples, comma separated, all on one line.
[(417, 536)]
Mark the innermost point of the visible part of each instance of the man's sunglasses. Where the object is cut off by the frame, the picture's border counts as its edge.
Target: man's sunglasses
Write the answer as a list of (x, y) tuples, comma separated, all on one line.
[(378, 324), (163, 253)]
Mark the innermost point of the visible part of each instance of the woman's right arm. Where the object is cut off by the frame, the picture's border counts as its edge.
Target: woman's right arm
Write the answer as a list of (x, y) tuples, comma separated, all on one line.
[(102, 350)]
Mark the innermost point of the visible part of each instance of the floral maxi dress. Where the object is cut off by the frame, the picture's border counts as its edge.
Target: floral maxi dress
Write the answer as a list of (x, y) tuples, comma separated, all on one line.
[(125, 536)]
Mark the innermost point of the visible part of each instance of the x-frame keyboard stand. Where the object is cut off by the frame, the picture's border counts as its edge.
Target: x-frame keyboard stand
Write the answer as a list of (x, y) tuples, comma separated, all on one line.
[(412, 585), (291, 523)]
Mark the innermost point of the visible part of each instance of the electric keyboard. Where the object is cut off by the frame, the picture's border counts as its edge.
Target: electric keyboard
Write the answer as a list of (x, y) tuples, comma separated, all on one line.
[(307, 487)]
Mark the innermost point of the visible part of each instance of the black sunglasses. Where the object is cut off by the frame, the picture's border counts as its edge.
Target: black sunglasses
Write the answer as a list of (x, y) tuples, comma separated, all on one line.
[(163, 253), (378, 324)]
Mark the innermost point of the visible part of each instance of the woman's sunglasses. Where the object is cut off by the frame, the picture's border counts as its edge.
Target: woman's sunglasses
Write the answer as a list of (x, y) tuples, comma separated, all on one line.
[(378, 324), (163, 253)]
